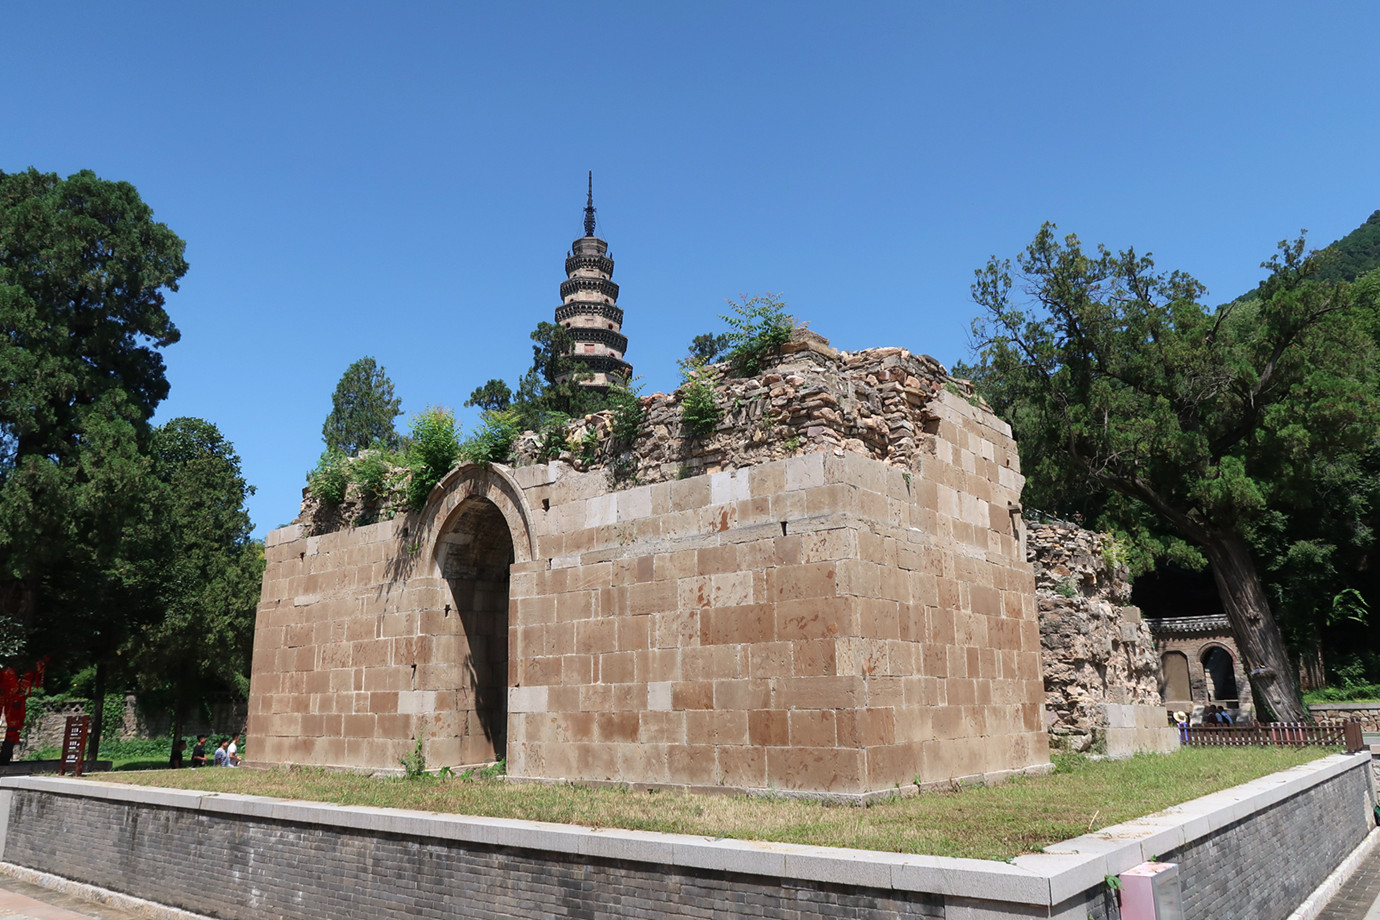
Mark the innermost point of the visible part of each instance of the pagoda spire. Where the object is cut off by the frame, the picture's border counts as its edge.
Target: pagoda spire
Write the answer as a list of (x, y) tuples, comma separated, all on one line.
[(589, 207), (589, 308)]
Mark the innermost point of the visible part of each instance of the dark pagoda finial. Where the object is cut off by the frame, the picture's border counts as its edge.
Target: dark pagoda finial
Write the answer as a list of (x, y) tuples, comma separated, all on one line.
[(589, 207)]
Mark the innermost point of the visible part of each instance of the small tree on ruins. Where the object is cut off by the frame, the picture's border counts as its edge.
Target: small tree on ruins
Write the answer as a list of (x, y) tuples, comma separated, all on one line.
[(363, 408)]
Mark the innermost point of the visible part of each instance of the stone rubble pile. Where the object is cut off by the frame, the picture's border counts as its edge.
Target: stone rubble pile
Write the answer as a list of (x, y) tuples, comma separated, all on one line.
[(1097, 649), (810, 398)]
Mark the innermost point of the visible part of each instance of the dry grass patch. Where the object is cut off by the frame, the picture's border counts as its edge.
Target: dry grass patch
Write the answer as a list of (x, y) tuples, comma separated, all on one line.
[(997, 822)]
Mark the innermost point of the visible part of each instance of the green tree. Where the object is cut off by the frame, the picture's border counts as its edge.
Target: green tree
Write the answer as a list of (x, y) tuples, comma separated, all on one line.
[(83, 270), (363, 408), (553, 384), (707, 347), (202, 570), (493, 396), (1116, 379)]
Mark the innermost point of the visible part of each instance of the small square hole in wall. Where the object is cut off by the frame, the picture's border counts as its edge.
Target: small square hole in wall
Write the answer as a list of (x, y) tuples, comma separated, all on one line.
[(546, 504), (783, 528)]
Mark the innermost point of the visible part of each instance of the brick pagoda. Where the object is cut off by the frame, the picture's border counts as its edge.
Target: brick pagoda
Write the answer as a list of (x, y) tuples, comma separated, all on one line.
[(589, 307)]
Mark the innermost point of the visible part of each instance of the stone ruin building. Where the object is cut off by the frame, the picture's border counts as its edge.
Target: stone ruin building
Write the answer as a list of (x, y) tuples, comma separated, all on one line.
[(1101, 669), (826, 595)]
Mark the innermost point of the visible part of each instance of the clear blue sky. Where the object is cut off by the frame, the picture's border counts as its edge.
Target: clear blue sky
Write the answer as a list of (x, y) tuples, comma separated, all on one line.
[(403, 180)]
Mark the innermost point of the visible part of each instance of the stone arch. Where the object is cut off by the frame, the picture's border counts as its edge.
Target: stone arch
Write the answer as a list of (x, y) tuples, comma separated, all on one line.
[(492, 482), (477, 525), (1219, 672), (1174, 674)]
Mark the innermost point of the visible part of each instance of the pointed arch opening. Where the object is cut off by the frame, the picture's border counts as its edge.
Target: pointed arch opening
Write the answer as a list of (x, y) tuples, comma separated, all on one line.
[(475, 553)]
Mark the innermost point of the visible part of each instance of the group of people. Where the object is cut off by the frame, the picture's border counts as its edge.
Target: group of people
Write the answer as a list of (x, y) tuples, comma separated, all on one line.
[(1212, 715), (225, 754)]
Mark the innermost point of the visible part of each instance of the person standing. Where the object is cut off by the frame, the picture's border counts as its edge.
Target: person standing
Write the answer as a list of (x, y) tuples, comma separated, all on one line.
[(199, 752), (233, 752), (175, 761), (222, 758)]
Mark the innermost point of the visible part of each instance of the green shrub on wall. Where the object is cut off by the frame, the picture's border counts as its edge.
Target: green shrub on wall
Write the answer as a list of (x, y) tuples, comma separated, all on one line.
[(756, 326), (330, 479), (435, 448), (552, 440), (699, 408), (493, 442), (628, 414)]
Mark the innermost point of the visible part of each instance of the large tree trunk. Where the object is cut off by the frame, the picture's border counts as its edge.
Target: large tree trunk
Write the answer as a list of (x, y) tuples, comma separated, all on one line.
[(1257, 634)]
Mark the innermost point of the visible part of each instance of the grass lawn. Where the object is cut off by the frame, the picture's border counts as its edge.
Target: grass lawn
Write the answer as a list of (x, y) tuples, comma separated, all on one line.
[(997, 822)]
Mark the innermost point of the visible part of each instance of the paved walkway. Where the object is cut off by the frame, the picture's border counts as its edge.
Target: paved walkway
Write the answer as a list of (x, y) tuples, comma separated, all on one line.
[(22, 901), (1359, 896)]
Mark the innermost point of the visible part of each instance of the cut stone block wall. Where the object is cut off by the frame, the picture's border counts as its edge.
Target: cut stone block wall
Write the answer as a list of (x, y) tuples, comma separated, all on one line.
[(825, 623), (1255, 851), (841, 621)]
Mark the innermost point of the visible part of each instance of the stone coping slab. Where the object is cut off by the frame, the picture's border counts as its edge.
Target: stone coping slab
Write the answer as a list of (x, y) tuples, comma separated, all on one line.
[(1061, 871)]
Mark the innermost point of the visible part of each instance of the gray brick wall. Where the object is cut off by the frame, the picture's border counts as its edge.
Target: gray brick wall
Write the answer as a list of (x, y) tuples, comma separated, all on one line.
[(240, 858), (1262, 868), (253, 870)]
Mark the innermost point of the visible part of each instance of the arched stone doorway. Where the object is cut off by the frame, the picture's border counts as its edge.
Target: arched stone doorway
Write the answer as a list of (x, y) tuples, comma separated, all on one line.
[(1218, 666), (475, 553)]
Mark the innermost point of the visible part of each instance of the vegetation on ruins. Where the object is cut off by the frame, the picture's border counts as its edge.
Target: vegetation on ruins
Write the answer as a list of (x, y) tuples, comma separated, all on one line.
[(493, 442), (550, 394), (554, 383), (383, 479), (757, 326), (329, 480), (699, 407), (434, 449), (994, 822), (629, 415), (363, 408), (1201, 428)]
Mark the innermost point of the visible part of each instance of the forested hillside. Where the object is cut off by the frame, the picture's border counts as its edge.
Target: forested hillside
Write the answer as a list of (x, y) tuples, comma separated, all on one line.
[(1348, 258)]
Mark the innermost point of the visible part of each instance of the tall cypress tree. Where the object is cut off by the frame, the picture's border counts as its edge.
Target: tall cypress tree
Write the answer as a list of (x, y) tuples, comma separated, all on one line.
[(83, 268)]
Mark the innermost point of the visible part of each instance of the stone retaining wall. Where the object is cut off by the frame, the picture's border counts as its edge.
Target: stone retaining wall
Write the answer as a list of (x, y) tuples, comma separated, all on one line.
[(1255, 852), (1367, 713)]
